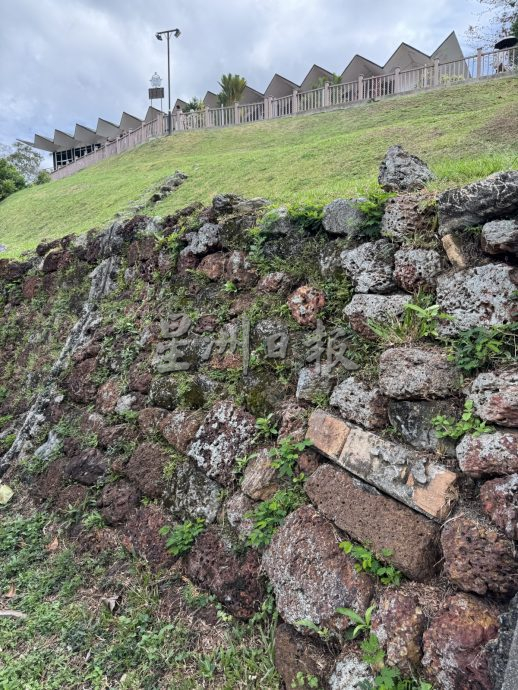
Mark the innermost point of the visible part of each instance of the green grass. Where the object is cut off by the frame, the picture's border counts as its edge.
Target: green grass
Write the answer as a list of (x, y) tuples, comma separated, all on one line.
[(70, 638), (464, 132)]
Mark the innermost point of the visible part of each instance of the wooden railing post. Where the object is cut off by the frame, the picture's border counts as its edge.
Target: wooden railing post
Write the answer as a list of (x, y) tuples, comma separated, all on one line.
[(266, 115), (236, 113), (270, 108), (479, 63), (360, 87), (436, 72), (294, 102), (327, 99), (397, 80)]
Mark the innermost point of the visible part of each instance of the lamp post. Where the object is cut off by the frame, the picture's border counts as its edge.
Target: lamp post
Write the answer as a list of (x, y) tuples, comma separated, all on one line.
[(168, 34)]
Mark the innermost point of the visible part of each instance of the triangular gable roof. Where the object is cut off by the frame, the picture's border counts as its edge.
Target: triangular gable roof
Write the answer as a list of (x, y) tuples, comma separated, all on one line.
[(312, 77), (406, 57), (179, 103), (449, 50), (281, 84), (129, 122), (43, 143), (152, 114), (211, 99), (251, 95), (360, 65), (107, 129), (87, 136), (64, 140)]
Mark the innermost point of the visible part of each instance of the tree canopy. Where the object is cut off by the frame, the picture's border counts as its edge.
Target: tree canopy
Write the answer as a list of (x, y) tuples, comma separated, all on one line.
[(498, 18), (11, 180), (232, 87)]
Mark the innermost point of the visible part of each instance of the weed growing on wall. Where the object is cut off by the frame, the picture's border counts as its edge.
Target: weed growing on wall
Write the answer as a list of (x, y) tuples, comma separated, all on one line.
[(368, 563), (447, 427), (479, 347), (181, 539)]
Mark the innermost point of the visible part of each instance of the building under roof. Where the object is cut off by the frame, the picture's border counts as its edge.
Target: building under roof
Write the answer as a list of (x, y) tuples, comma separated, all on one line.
[(66, 148)]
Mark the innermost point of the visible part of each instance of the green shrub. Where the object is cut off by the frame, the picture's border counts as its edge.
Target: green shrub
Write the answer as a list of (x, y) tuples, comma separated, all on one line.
[(268, 516), (480, 347), (373, 207), (180, 539), (367, 562), (285, 455), (467, 424)]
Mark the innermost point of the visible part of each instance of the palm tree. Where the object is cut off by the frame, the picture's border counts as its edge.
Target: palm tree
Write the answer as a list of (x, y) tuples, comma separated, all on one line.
[(232, 87), (194, 104)]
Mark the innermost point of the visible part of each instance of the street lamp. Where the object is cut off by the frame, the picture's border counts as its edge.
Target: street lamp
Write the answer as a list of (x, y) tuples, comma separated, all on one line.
[(168, 34)]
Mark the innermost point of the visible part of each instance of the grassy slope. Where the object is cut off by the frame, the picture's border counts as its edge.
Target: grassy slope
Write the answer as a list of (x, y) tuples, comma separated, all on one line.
[(464, 133)]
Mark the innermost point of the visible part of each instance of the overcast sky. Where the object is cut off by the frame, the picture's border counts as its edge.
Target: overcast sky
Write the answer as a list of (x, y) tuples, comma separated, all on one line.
[(68, 61)]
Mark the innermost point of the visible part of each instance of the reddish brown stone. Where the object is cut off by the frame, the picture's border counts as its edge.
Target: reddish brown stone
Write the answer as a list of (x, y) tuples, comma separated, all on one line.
[(145, 468), (142, 535), (89, 350), (56, 260), (213, 265), (295, 654), (79, 384), (308, 462), (87, 467), (294, 421), (150, 419), (489, 454), (454, 654), (187, 261), (140, 378), (305, 304), (399, 623), (13, 270), (310, 575), (327, 433), (118, 501), (499, 499), (107, 396), (179, 428), (260, 480), (495, 397), (233, 579), (117, 435), (277, 282), (372, 518), (478, 558), (239, 270), (31, 287), (141, 250)]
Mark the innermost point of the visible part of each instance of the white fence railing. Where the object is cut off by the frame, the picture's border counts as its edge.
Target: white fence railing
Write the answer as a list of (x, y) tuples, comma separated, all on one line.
[(479, 66)]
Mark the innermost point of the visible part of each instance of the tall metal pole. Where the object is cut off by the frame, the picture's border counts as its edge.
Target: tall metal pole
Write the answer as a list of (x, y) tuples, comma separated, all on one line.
[(169, 123)]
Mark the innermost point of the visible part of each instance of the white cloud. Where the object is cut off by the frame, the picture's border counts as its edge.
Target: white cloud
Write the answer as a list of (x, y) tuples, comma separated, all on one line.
[(75, 61)]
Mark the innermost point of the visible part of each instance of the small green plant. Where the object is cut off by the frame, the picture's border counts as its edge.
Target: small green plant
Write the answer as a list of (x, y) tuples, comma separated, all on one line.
[(322, 632), (367, 562), (285, 455), (241, 463), (420, 319), (447, 427), (307, 216), (362, 626), (93, 520), (230, 286), (6, 442), (268, 516), (373, 653), (305, 680), (480, 347), (373, 208), (266, 427), (3, 393), (181, 538)]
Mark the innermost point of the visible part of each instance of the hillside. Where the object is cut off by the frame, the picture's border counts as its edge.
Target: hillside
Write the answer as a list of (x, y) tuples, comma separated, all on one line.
[(464, 132)]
